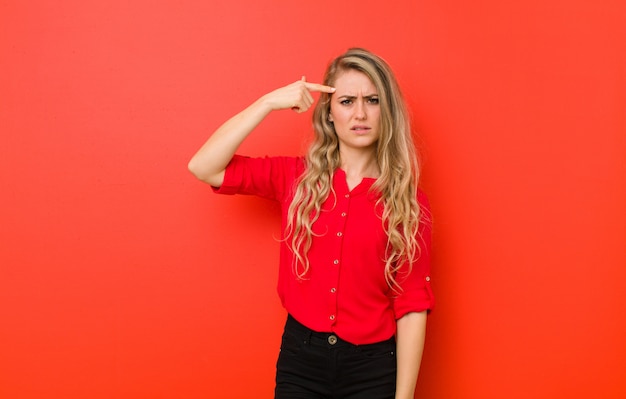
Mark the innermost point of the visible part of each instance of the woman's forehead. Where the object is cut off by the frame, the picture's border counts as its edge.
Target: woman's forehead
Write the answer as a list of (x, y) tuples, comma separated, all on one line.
[(352, 82)]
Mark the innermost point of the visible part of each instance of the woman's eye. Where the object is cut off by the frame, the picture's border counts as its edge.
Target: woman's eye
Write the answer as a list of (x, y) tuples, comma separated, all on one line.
[(346, 102), (373, 100)]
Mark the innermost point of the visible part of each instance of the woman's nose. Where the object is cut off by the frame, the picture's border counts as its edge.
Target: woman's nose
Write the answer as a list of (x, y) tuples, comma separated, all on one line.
[(360, 112)]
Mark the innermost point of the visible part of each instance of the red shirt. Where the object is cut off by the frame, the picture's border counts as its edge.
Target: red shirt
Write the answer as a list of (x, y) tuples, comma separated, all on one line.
[(344, 291)]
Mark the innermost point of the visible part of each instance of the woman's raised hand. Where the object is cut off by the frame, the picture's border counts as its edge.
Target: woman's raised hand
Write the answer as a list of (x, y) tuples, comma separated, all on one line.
[(296, 96)]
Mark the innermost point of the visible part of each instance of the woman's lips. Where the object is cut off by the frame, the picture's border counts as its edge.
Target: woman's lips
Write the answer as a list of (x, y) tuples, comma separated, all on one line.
[(360, 128)]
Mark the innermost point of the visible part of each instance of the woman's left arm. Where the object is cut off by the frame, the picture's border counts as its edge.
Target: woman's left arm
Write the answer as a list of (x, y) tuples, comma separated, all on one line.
[(410, 335)]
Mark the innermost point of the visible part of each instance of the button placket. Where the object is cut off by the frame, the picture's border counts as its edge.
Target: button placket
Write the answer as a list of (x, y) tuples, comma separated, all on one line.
[(339, 224)]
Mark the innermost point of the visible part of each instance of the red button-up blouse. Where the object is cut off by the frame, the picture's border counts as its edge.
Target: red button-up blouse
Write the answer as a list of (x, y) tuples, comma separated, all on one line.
[(344, 291)]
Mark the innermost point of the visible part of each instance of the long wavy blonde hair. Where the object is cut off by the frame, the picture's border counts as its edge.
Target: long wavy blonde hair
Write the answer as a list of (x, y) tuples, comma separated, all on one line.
[(397, 161)]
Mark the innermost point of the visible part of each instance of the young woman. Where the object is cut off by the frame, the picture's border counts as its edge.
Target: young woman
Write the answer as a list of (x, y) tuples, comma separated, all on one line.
[(354, 257)]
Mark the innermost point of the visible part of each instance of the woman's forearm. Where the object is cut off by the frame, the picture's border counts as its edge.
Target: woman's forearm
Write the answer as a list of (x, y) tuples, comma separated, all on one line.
[(410, 336)]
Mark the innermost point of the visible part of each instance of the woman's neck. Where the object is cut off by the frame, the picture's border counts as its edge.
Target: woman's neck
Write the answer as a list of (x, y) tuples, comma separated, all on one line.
[(358, 165)]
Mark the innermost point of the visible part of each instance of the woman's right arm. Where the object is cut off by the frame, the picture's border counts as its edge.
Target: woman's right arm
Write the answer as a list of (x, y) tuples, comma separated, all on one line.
[(210, 162)]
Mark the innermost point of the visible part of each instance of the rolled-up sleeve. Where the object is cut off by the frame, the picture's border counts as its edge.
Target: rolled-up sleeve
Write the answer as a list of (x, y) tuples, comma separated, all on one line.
[(416, 294), (267, 177)]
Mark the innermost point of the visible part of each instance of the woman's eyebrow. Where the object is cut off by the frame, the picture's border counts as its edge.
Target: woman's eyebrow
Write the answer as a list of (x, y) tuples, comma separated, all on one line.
[(351, 97)]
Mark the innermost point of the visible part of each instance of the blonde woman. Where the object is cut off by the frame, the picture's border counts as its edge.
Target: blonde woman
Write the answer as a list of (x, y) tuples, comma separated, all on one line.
[(354, 257)]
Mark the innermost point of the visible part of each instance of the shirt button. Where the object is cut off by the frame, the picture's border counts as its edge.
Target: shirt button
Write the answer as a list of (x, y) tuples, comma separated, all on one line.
[(336, 261), (427, 278), (332, 317), (347, 195), (333, 290), (343, 214), (339, 234)]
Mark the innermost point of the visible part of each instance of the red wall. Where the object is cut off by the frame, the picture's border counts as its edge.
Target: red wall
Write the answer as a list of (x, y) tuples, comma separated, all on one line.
[(123, 277)]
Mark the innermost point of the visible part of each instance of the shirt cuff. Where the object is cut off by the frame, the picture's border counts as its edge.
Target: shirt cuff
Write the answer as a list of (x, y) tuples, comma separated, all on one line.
[(230, 185), (417, 300)]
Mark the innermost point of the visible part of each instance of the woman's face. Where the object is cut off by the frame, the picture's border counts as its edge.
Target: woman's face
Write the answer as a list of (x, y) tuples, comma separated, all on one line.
[(355, 111)]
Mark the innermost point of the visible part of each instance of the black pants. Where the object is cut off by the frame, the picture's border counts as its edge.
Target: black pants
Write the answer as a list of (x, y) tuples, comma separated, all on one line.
[(314, 365)]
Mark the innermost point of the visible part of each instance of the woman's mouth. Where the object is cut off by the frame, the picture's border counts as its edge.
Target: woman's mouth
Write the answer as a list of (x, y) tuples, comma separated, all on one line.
[(360, 128)]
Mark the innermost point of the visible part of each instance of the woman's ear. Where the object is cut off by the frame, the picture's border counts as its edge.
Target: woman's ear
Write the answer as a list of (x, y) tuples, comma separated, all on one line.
[(330, 117)]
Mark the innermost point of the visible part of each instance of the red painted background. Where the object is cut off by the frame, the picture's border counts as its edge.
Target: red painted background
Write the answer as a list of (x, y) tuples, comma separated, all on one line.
[(123, 277)]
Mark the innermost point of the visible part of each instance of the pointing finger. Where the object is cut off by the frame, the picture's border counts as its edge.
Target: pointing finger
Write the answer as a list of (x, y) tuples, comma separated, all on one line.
[(319, 87)]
